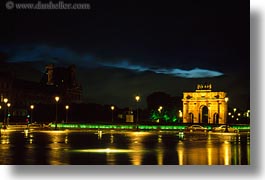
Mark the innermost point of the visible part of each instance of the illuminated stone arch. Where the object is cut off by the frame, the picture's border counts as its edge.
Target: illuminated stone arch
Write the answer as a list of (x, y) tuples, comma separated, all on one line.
[(206, 106), (191, 118)]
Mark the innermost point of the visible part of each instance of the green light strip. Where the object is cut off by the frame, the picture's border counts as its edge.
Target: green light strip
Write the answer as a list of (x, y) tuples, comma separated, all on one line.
[(141, 127)]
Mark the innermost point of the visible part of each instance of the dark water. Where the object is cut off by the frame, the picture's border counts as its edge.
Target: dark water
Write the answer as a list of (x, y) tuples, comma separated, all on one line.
[(122, 148)]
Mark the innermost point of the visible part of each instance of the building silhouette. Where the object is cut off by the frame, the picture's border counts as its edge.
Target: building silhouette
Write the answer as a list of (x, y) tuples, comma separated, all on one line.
[(56, 81)]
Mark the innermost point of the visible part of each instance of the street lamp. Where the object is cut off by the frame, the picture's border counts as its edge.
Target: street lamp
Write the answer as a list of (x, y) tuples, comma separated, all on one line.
[(112, 109), (8, 115), (31, 114), (66, 111), (159, 110), (226, 127), (137, 98), (180, 114), (57, 98), (5, 101)]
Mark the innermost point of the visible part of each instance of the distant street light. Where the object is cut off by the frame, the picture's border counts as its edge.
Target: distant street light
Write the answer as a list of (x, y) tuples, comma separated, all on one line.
[(159, 110), (226, 127), (180, 114), (31, 114), (137, 98), (112, 109), (66, 113), (8, 113), (5, 101), (57, 98)]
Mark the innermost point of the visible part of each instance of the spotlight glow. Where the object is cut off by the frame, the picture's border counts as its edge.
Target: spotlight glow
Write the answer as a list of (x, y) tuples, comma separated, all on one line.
[(107, 150)]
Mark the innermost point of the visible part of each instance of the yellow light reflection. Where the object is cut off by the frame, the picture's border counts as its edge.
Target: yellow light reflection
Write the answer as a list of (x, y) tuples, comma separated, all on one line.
[(66, 139), (137, 146), (55, 132), (4, 136), (111, 139), (5, 141), (209, 153), (180, 150), (248, 153), (57, 155), (26, 133), (160, 155), (160, 150), (159, 139), (111, 160), (227, 153), (106, 150)]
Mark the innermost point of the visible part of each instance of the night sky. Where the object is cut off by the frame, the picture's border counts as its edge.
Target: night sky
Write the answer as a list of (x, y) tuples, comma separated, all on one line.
[(125, 48)]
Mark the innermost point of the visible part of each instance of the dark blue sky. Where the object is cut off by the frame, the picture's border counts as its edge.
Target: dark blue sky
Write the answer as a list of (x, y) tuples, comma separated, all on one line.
[(123, 48)]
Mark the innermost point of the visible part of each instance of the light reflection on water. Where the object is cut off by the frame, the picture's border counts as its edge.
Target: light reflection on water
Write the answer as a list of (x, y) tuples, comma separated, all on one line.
[(134, 148)]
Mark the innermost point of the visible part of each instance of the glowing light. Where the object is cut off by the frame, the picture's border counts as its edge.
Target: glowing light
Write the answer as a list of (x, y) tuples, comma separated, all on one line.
[(5, 100), (180, 114), (107, 150), (31, 106), (57, 98), (160, 109), (67, 107), (130, 127), (137, 98)]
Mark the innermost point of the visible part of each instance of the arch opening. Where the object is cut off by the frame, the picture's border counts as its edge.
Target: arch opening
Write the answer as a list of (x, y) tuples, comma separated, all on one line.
[(191, 118), (216, 118), (204, 114)]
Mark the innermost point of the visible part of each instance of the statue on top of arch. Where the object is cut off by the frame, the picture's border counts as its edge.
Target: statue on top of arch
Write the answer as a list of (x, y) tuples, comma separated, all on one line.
[(205, 86)]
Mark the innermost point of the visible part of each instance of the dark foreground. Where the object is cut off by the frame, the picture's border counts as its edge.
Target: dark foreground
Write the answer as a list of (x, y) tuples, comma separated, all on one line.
[(123, 148)]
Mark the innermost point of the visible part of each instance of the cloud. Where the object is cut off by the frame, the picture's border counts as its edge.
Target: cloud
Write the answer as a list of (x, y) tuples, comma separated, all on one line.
[(45, 54), (193, 73), (124, 64)]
